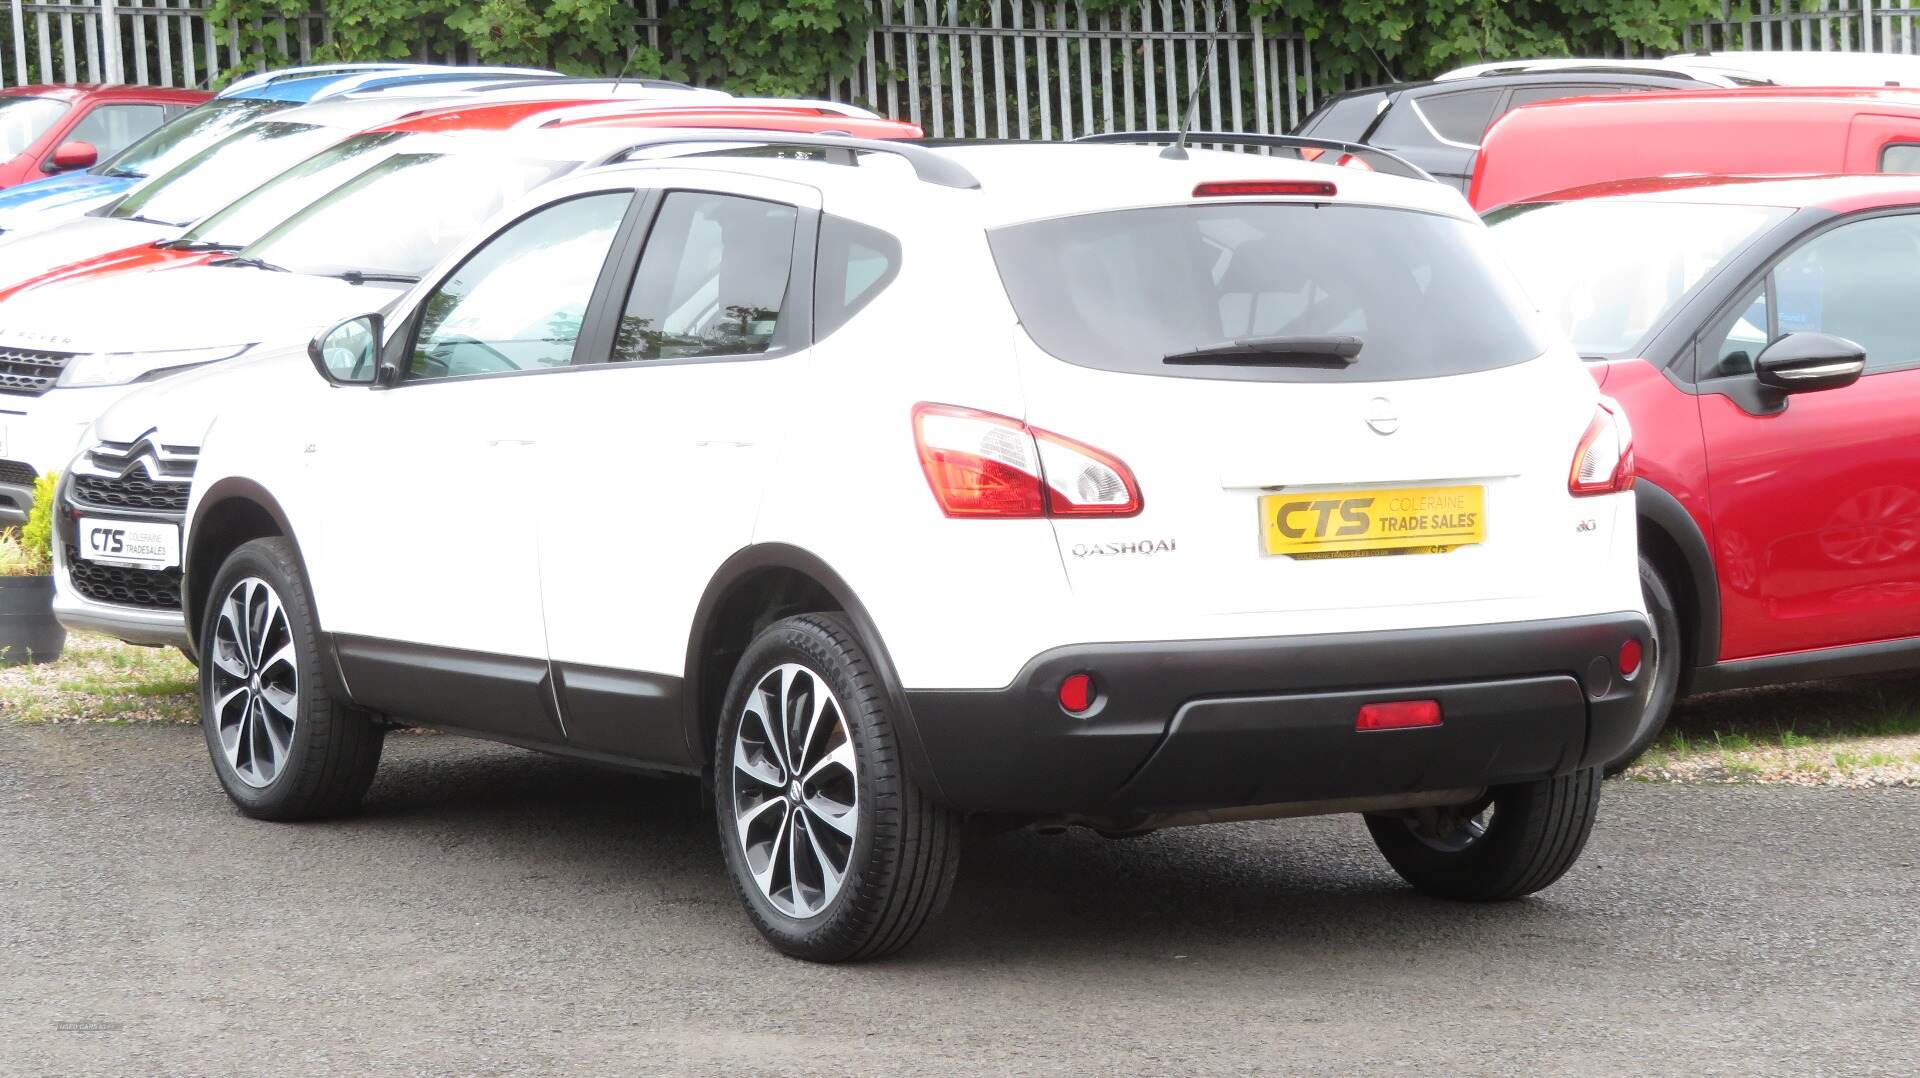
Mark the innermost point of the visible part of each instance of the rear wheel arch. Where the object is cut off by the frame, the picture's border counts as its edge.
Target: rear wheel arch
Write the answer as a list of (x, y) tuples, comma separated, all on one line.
[(756, 587), (1672, 541)]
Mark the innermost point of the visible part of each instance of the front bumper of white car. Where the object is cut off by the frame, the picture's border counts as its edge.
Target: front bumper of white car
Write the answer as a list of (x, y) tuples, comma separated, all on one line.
[(140, 482)]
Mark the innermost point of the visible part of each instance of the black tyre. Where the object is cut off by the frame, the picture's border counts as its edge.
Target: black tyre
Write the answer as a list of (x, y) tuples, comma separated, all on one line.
[(1513, 842), (1665, 670), (833, 849), (283, 748)]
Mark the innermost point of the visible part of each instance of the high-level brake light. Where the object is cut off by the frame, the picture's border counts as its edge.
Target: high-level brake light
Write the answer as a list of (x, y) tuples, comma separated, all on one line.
[(1250, 188)]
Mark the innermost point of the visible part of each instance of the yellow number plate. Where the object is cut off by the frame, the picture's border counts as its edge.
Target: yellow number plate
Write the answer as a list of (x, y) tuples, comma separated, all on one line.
[(1424, 520)]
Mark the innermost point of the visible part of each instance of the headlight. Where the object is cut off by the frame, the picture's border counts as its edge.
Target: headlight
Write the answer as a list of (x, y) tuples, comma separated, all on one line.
[(119, 368)]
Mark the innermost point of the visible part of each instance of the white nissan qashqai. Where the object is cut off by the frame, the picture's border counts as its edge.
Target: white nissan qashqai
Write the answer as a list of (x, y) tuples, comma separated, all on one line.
[(1058, 484)]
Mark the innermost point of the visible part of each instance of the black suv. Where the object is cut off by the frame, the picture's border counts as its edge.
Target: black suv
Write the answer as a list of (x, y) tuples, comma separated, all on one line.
[(1438, 125)]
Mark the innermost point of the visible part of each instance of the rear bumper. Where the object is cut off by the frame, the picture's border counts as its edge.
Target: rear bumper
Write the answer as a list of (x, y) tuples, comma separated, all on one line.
[(1215, 724)]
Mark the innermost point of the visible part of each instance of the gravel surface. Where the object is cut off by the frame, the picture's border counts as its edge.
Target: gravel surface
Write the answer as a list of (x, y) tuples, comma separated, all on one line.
[(498, 912)]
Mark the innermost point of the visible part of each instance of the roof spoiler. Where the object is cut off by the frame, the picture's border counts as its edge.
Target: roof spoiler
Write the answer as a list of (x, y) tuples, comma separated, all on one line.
[(1381, 161), (929, 166)]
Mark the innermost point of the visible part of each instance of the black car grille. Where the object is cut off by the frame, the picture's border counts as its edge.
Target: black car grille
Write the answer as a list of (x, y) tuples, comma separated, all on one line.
[(155, 589), (128, 492), (33, 373), (17, 472)]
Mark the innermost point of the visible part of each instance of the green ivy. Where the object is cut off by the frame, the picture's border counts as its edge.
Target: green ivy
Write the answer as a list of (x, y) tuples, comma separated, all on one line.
[(796, 46)]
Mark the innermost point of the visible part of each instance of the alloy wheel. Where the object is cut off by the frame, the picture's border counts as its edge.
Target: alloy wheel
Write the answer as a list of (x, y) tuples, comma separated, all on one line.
[(796, 799), (256, 683), (1452, 828)]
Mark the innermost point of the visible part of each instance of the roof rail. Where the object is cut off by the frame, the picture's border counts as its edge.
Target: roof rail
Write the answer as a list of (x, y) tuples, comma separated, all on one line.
[(929, 166), (592, 80), (1382, 161)]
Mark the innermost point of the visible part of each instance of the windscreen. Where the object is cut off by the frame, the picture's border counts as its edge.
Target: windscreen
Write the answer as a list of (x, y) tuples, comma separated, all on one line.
[(1141, 291), (402, 215), (24, 119), (234, 165), (188, 134), (1609, 271), (255, 213)]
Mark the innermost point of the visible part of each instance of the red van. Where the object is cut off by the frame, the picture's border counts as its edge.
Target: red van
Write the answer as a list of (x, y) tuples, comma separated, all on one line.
[(1535, 150), (48, 129)]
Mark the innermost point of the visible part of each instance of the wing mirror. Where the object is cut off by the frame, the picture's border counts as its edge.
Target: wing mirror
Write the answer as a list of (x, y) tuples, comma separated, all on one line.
[(349, 353), (1804, 362), (73, 155)]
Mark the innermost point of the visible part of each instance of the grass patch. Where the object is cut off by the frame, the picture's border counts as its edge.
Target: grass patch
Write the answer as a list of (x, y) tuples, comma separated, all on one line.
[(101, 680)]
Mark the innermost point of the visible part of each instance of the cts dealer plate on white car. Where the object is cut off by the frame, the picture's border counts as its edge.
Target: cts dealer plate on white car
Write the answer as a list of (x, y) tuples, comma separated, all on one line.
[(130, 542), (1426, 520)]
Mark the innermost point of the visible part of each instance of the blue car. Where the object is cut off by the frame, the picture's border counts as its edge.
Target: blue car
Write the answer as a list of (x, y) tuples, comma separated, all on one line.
[(35, 205)]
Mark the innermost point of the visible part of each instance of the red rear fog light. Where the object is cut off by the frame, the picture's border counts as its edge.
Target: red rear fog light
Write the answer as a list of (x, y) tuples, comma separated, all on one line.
[(1076, 694), (1398, 715), (1629, 658)]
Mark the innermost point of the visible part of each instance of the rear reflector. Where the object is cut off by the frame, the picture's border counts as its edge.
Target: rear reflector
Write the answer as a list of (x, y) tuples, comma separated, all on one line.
[(1246, 188), (1629, 658), (1398, 715), (1076, 694)]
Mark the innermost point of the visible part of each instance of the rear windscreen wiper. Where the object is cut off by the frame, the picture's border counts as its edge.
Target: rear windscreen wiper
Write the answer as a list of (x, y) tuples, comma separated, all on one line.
[(1275, 351), (249, 263)]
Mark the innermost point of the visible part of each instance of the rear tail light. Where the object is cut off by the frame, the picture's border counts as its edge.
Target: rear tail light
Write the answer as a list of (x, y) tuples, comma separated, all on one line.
[(984, 465), (1348, 160), (1603, 461), (1398, 715)]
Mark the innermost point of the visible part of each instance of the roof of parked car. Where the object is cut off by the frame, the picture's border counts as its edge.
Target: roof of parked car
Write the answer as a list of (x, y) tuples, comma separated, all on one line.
[(1035, 180), (1837, 193), (74, 91)]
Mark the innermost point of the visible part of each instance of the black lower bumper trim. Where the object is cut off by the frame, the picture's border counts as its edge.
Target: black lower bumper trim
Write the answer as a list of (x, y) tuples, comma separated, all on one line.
[(1225, 723)]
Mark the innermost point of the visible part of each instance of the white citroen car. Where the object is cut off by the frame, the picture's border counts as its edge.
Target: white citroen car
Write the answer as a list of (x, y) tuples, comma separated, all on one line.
[(1067, 484)]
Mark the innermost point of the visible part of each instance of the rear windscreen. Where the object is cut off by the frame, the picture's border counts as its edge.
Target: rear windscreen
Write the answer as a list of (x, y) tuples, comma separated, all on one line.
[(1422, 293)]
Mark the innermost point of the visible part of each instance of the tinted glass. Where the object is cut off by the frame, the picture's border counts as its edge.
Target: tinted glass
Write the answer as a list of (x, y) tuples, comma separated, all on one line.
[(855, 263), (1730, 347), (1636, 261), (1527, 95), (1857, 282), (111, 128), (24, 119), (713, 280), (1460, 117), (517, 303), (1122, 290), (1345, 117), (1901, 157), (402, 215), (188, 135), (231, 167)]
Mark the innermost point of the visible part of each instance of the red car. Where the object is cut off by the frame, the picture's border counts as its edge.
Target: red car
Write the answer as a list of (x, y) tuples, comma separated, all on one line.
[(49, 129), (1556, 145), (1764, 337)]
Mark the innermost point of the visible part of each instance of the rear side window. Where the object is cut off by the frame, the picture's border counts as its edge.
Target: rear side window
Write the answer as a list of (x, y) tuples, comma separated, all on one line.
[(1123, 290), (855, 263), (713, 279), (1461, 117)]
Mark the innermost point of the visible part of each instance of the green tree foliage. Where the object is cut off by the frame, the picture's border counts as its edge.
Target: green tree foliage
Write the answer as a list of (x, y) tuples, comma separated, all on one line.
[(796, 46)]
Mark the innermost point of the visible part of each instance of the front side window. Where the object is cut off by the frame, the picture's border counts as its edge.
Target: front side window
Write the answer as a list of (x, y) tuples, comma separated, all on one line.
[(1900, 157), (25, 119), (234, 165), (1612, 271), (517, 303), (1147, 291), (1856, 281), (713, 280), (399, 217), (112, 128), (187, 135)]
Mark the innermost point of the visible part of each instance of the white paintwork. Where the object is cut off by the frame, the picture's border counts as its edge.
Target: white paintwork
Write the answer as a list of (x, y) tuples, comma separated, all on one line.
[(411, 513)]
